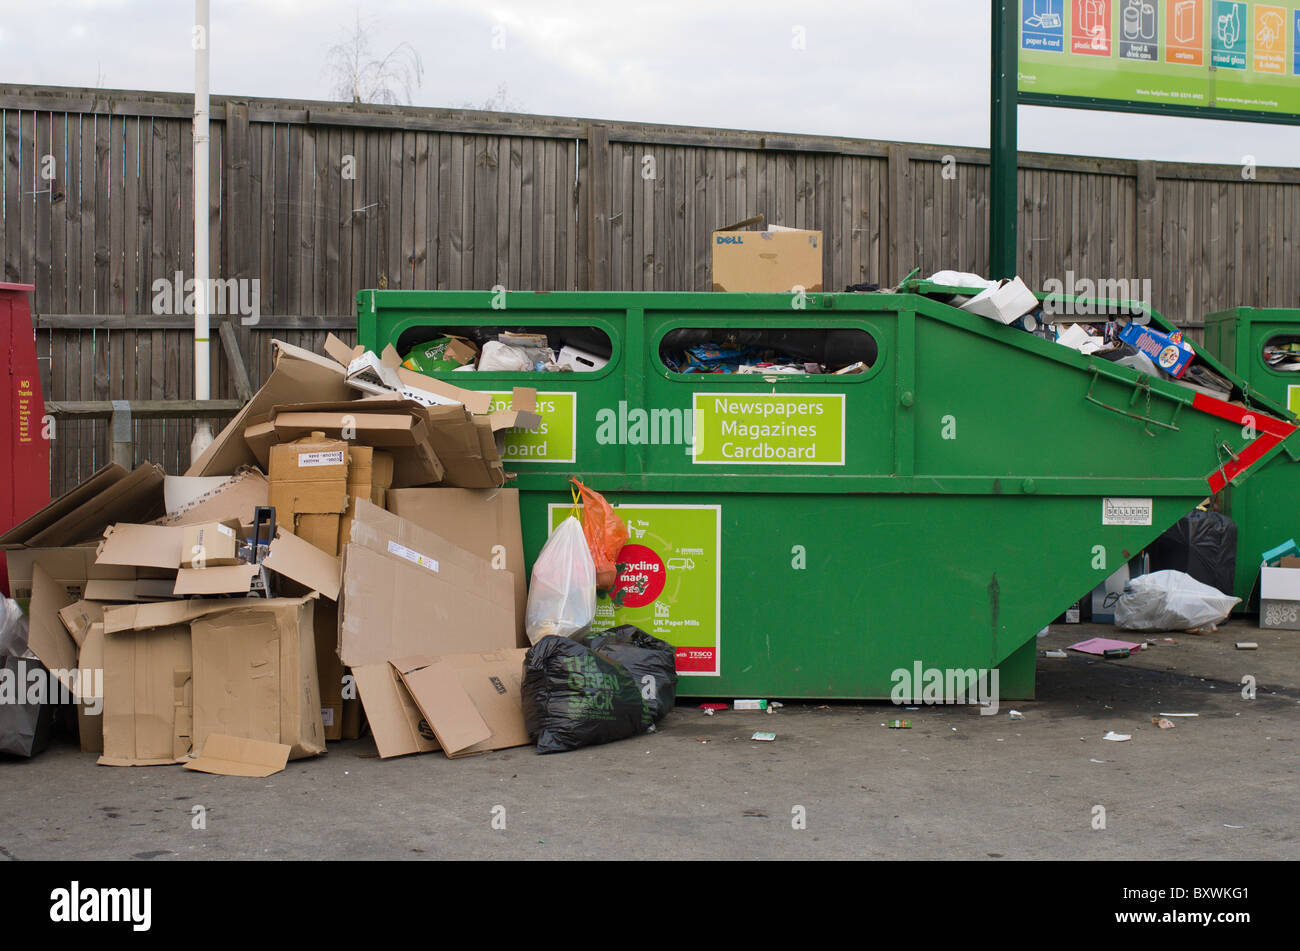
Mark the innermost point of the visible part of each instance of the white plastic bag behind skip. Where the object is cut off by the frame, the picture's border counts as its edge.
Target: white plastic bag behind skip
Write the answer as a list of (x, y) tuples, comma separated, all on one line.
[(562, 596), (1170, 601)]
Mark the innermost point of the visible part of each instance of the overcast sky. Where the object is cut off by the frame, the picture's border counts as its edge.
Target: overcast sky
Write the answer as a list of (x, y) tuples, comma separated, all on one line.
[(911, 70)]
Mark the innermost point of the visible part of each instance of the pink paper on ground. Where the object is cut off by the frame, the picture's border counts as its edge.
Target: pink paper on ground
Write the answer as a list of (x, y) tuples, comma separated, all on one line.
[(1099, 645)]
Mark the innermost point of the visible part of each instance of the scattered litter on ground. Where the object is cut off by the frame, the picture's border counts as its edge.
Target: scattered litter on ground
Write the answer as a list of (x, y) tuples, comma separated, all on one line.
[(1247, 645), (1098, 646), (900, 724), (1016, 715), (1162, 723), (1117, 737), (764, 737)]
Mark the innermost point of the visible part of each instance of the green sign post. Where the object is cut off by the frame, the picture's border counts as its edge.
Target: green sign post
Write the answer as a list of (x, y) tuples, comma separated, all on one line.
[(1219, 59)]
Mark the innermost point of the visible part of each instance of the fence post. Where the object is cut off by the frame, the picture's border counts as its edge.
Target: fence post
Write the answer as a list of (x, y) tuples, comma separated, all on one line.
[(902, 244), (1148, 224), (597, 208), (123, 452)]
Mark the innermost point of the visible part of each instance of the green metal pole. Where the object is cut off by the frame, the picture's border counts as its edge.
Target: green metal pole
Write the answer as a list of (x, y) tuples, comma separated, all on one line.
[(1003, 198)]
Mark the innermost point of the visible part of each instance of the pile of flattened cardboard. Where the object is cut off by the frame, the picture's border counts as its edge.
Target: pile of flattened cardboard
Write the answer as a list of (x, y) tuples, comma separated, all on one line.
[(345, 552)]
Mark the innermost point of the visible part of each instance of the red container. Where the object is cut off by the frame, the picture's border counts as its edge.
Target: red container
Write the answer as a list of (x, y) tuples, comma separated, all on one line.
[(24, 437)]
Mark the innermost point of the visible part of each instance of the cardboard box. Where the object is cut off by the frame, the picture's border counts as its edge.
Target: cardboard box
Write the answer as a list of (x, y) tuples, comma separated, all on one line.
[(90, 695), (1006, 301), (1279, 598), (397, 426), (299, 375), (767, 262), (309, 481), (289, 556), (211, 544), (148, 694), (74, 568), (253, 662), (1167, 351), (370, 475), (329, 669), (445, 353), (407, 591), (485, 522)]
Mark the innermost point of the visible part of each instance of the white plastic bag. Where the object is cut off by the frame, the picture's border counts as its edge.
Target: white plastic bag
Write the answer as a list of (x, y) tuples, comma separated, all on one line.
[(502, 357), (1170, 601), (562, 596)]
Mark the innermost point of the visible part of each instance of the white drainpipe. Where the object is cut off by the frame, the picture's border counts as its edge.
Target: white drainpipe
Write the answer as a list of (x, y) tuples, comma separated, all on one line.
[(201, 43)]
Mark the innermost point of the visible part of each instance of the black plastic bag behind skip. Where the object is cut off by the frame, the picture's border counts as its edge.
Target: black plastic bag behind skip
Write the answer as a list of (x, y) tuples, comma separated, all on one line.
[(651, 662), (573, 697), (25, 728), (1201, 544)]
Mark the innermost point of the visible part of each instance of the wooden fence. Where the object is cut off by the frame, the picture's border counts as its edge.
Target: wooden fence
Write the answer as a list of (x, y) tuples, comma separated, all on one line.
[(319, 200)]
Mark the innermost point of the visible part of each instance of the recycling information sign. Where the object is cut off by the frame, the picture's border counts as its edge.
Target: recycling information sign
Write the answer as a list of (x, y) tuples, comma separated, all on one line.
[(669, 580), (1204, 54)]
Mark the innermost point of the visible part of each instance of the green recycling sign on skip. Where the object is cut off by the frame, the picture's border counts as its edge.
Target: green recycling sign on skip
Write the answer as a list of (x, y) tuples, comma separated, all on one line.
[(756, 429), (669, 580)]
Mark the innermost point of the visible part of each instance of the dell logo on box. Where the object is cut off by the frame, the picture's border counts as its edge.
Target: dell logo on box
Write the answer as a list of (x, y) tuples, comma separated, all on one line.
[(730, 239)]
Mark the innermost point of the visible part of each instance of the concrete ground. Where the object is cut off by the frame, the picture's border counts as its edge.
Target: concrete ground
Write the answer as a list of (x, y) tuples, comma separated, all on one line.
[(955, 786)]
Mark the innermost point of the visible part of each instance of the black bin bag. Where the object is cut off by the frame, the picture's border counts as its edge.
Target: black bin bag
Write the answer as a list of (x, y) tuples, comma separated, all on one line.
[(574, 697), (1200, 544), (26, 727), (651, 662)]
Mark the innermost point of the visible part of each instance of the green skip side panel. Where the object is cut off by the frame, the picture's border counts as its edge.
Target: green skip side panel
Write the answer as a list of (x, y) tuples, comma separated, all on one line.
[(965, 516)]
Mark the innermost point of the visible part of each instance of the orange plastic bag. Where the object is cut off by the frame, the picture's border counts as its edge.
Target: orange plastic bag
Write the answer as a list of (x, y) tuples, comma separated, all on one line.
[(606, 534)]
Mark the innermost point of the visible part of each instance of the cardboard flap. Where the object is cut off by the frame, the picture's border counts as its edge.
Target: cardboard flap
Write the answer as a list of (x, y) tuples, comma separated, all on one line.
[(340, 352), (182, 491), (395, 721), (304, 563), (524, 399), (476, 401), (110, 590), (141, 546), (142, 617), (91, 658), (236, 756), (47, 638), (78, 617), (446, 707), (231, 579), (235, 498), (138, 497), (298, 375), (64, 505)]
